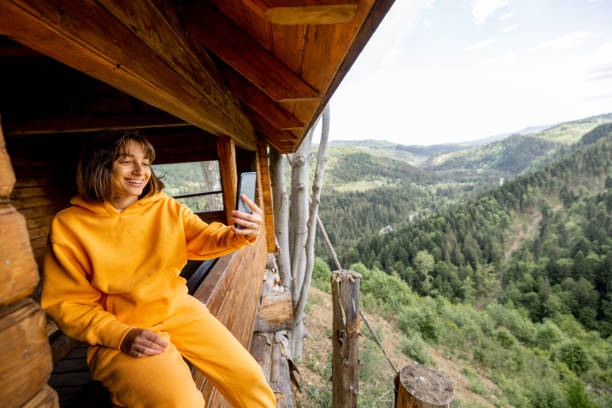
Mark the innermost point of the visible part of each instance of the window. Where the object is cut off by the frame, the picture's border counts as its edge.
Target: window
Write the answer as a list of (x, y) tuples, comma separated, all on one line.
[(195, 184)]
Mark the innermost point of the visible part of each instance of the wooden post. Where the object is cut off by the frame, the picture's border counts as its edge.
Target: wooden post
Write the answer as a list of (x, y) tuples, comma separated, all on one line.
[(420, 386), (345, 329), (264, 177), (226, 150)]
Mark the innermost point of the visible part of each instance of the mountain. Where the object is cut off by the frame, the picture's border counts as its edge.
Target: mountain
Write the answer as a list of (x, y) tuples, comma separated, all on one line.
[(414, 155), (571, 132), (348, 166), (511, 155)]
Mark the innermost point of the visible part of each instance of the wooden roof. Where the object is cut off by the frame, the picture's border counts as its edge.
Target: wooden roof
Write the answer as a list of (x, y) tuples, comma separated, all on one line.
[(247, 69)]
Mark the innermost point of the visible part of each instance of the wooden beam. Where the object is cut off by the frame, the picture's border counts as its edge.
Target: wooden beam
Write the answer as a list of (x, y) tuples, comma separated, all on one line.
[(83, 35), (297, 12), (93, 123), (226, 150), (264, 176), (239, 50), (259, 102), (273, 136)]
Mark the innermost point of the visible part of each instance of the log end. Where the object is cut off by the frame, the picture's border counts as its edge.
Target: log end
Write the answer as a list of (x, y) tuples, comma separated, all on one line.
[(427, 385)]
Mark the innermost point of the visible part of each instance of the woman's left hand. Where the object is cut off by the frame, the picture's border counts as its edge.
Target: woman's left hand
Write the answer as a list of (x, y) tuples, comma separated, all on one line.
[(250, 222)]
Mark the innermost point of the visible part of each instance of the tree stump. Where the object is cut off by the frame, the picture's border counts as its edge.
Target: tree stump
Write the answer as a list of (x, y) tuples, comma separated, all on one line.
[(423, 387), (345, 327)]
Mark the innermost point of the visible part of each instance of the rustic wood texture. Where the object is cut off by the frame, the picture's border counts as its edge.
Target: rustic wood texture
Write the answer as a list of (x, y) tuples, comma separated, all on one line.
[(93, 124), (296, 12), (423, 387), (280, 379), (276, 307), (85, 36), (226, 151), (259, 102), (261, 350), (45, 398), (7, 175), (282, 140), (18, 269), (240, 51), (345, 341), (24, 352), (268, 208)]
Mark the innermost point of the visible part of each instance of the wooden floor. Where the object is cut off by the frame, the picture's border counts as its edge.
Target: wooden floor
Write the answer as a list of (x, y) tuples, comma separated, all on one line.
[(74, 386)]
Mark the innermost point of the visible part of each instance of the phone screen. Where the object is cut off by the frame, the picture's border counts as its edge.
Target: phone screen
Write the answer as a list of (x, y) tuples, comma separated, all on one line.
[(247, 183)]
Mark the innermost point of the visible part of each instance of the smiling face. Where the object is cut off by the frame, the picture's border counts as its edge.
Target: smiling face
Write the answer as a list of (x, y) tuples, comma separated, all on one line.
[(131, 173)]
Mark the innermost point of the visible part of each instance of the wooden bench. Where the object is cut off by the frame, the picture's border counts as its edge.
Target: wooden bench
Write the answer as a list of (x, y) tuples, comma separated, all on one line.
[(70, 376)]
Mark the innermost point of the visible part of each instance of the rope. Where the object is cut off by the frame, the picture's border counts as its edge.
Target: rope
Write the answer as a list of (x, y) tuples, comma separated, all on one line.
[(363, 317)]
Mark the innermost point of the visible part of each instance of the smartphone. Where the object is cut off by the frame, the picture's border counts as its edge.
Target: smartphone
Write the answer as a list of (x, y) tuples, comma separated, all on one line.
[(247, 182)]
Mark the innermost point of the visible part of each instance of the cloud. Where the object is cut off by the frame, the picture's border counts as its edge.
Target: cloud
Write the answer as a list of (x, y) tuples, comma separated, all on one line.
[(600, 74), (427, 23), (507, 15), (565, 42), (482, 9), (481, 44), (510, 28)]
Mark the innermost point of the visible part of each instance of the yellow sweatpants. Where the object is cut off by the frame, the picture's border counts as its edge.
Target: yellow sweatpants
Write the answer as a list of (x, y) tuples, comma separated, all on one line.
[(165, 380)]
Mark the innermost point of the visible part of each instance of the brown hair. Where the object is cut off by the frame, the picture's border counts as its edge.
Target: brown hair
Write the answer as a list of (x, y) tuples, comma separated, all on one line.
[(95, 169)]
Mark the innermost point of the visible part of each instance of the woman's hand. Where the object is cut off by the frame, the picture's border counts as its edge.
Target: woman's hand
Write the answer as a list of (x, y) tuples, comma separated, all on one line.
[(250, 222), (143, 343)]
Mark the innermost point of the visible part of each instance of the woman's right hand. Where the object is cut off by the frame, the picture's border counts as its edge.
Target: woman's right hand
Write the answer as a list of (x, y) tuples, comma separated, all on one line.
[(143, 343)]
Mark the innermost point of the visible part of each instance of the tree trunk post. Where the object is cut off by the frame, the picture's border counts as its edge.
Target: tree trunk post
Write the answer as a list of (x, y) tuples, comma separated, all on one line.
[(345, 328), (420, 386)]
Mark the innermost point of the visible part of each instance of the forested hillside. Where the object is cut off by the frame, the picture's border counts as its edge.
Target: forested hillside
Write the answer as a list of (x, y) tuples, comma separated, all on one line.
[(511, 155), (536, 254), (460, 252)]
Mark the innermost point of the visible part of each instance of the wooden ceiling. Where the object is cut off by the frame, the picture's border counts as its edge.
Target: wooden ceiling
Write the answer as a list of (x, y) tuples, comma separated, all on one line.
[(248, 69)]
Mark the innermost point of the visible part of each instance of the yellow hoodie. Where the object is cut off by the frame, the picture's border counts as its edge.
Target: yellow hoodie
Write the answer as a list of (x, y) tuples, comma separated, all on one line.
[(108, 271)]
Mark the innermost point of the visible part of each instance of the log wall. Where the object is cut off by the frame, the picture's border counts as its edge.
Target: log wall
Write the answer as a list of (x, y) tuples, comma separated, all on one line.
[(24, 350)]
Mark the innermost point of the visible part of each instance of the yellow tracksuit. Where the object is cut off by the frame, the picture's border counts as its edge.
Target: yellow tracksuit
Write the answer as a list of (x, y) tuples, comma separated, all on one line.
[(108, 272)]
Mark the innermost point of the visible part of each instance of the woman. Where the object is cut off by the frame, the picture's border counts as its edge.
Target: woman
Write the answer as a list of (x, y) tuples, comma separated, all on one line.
[(112, 280)]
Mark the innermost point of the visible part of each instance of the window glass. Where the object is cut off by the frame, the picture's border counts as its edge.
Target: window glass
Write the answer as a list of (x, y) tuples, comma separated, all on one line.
[(195, 184)]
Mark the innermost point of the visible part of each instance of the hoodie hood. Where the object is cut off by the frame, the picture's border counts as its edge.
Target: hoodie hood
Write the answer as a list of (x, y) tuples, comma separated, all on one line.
[(106, 208)]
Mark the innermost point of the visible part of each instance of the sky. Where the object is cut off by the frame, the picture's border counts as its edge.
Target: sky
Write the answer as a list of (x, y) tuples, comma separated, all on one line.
[(443, 71)]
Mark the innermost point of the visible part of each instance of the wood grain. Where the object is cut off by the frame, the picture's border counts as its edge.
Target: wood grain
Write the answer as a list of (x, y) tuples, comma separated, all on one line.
[(17, 266), (45, 398), (268, 208), (297, 12), (7, 175), (226, 151), (259, 102), (237, 49), (93, 123), (345, 341), (423, 387), (83, 35), (24, 352)]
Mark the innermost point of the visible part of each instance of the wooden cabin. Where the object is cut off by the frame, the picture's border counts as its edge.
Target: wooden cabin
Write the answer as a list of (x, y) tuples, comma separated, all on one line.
[(216, 80)]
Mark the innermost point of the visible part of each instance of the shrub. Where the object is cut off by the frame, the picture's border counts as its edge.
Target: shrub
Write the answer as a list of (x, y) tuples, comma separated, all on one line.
[(414, 347), (573, 354), (548, 334)]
